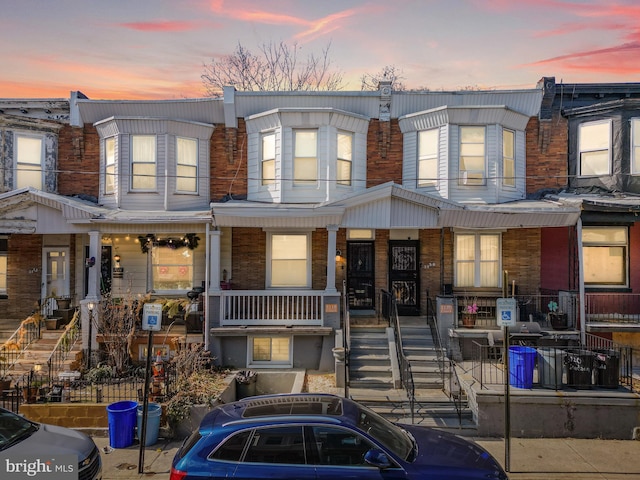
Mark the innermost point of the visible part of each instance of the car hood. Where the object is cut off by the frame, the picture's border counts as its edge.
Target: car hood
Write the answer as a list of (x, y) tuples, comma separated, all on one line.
[(54, 440), (438, 448)]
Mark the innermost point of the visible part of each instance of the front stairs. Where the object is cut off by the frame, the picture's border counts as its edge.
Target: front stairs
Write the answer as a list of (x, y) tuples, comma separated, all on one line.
[(371, 380)]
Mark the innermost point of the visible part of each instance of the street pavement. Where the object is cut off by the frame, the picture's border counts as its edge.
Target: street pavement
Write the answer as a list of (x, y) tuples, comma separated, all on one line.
[(529, 458)]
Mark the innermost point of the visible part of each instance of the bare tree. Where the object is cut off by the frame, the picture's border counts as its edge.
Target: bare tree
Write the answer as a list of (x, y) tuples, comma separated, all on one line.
[(370, 81), (276, 68)]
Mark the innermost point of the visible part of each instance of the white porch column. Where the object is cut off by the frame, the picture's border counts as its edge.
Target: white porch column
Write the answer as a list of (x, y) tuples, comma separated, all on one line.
[(93, 291), (89, 318), (331, 259), (214, 260), (583, 312)]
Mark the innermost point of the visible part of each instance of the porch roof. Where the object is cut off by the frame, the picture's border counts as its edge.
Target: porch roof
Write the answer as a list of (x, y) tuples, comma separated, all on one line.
[(391, 206)]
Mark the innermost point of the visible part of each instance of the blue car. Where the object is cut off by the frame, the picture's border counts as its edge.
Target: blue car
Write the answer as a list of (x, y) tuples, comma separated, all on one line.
[(320, 436)]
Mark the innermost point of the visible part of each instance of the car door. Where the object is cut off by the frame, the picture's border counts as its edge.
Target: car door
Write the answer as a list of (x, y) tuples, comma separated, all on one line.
[(340, 455), (277, 452)]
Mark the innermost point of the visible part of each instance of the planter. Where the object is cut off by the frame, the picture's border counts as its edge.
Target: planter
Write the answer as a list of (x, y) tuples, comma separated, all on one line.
[(63, 303), (30, 394), (339, 353), (52, 323), (469, 320), (559, 321), (4, 385)]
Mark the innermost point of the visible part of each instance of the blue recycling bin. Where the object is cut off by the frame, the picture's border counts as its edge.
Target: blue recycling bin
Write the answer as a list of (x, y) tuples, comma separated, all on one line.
[(122, 423), (154, 413), (522, 361)]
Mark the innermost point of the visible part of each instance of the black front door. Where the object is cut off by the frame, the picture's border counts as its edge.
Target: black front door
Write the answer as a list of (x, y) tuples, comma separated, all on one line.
[(360, 275), (404, 275)]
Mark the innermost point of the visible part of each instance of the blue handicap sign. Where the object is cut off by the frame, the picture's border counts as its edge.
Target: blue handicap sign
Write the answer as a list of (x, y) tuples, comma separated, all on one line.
[(152, 320), (506, 315)]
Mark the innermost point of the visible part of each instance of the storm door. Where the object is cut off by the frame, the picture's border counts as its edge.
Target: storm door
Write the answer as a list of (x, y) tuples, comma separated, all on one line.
[(404, 278), (55, 275), (360, 275)]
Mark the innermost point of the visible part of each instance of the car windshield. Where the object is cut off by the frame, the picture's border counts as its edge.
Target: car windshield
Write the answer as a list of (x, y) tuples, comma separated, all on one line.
[(14, 428), (388, 434)]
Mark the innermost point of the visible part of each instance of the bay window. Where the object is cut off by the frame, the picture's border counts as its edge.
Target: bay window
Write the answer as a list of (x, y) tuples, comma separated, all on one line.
[(508, 158), (594, 146), (305, 162), (143, 162), (605, 251), (635, 146), (268, 159), (186, 165), (345, 158), (472, 155), (477, 259), (428, 157), (110, 165)]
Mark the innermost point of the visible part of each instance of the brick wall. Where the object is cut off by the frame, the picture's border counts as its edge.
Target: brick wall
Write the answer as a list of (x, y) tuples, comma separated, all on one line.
[(70, 415), (249, 260), (23, 276), (228, 161), (384, 153), (547, 153), (78, 161)]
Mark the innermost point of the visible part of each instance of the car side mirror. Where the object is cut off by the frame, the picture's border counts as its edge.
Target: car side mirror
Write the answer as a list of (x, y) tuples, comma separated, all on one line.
[(377, 458)]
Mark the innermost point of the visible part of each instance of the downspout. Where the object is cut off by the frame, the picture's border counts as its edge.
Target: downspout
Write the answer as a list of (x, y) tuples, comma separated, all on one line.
[(583, 317), (206, 291)]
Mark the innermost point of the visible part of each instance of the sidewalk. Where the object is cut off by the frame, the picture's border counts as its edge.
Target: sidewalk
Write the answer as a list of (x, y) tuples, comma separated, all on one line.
[(530, 459)]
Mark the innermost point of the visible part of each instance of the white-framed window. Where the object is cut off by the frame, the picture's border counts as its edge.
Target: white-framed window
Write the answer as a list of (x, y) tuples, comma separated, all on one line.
[(428, 143), (289, 256), (109, 165), (186, 165), (171, 268), (472, 155), (143, 162), (477, 259), (605, 255), (345, 158), (305, 161), (635, 146), (508, 158), (266, 350), (4, 256), (29, 153), (268, 159), (594, 148)]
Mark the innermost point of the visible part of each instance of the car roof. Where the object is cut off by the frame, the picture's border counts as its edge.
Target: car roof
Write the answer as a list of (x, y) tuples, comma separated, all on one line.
[(281, 408)]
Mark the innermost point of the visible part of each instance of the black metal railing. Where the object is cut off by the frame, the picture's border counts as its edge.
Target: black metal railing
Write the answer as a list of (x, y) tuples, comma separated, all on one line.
[(11, 351), (449, 375), (346, 338), (66, 342), (598, 363), (406, 374)]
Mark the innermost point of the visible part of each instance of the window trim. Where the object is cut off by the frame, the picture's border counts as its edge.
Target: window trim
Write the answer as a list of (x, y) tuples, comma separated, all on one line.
[(626, 247), (269, 363), (580, 151), (463, 179), (477, 261), (185, 165), (265, 182), (17, 163), (132, 162), (309, 264)]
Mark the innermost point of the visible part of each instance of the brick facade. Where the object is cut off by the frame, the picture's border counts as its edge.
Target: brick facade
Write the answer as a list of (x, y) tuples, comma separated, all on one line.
[(547, 145)]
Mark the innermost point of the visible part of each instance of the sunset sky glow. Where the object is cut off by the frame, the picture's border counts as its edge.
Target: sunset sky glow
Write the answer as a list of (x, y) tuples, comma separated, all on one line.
[(156, 49)]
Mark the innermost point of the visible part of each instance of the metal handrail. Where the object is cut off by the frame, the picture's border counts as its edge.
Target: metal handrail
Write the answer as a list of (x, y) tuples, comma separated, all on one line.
[(12, 349), (64, 345), (454, 391), (406, 374), (346, 338)]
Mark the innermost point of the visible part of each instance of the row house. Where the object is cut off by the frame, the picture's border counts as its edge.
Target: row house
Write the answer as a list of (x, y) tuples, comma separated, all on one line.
[(288, 209)]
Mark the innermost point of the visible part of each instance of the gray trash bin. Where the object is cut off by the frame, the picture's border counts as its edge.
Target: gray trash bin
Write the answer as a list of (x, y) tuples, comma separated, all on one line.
[(550, 367)]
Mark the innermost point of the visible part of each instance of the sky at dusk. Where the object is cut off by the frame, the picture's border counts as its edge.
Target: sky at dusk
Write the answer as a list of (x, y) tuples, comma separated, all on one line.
[(156, 49)]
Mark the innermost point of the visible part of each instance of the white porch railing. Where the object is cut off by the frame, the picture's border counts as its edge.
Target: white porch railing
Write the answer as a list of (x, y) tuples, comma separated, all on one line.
[(270, 308)]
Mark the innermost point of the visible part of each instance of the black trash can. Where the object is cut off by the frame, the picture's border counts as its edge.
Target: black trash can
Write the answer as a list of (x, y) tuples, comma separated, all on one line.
[(607, 367), (246, 384), (579, 365)]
